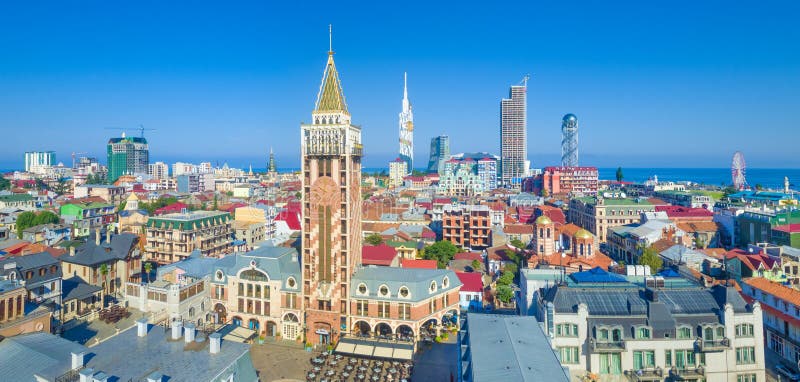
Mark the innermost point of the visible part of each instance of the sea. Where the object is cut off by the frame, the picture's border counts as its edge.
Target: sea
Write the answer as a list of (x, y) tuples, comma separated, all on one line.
[(769, 178)]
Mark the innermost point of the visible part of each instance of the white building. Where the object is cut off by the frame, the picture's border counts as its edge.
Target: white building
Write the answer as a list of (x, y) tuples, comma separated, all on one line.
[(158, 170), (604, 324), (398, 169), (38, 161)]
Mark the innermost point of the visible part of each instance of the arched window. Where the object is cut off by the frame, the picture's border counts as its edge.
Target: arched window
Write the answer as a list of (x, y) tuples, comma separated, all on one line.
[(404, 292), (362, 289), (642, 332), (253, 275), (383, 291), (602, 334), (432, 287), (616, 334), (291, 282)]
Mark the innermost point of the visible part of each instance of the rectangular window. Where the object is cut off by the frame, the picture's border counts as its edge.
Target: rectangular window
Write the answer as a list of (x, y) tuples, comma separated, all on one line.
[(745, 355), (744, 330), (642, 333), (684, 359), (569, 355), (611, 363), (668, 358), (643, 359), (361, 307), (746, 378), (404, 310), (383, 309)]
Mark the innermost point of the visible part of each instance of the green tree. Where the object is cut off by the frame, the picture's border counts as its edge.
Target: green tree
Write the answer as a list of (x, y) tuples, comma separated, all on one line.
[(505, 279), (5, 184), (373, 239), (61, 187), (619, 174), (511, 268), (544, 193), (442, 252), (476, 265), (147, 268), (759, 187), (104, 272), (45, 217), (24, 221), (650, 257), (504, 293), (122, 205), (518, 243), (216, 203)]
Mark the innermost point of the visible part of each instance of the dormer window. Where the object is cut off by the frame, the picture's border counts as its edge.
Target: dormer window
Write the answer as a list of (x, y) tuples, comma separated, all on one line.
[(643, 332), (219, 276), (291, 282), (684, 332), (362, 289), (404, 292), (446, 282), (383, 291), (432, 287)]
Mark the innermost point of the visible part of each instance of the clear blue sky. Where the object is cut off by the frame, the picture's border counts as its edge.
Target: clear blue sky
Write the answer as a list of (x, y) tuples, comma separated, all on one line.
[(663, 84)]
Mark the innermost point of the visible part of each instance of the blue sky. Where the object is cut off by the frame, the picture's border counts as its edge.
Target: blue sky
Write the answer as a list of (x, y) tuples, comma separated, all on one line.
[(661, 84)]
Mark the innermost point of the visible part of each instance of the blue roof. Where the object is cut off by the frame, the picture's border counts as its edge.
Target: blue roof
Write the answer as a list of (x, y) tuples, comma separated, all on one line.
[(669, 273), (597, 275)]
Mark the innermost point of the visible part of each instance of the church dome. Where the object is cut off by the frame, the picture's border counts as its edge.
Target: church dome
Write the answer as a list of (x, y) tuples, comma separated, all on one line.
[(543, 220), (583, 234)]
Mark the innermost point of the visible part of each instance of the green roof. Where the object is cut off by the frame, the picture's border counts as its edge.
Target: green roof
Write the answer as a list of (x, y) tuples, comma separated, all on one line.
[(16, 198), (331, 96), (616, 201), (395, 244), (188, 221)]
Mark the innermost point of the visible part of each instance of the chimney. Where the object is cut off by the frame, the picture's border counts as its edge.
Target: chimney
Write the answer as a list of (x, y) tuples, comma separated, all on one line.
[(108, 235), (216, 340), (141, 327), (188, 333), (97, 236), (155, 377), (72, 250), (86, 375), (100, 377), (176, 329), (77, 359)]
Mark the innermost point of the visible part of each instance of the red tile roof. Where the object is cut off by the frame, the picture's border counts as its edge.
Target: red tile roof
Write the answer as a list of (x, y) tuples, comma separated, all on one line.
[(683, 212), (421, 264), (172, 208), (468, 256), (378, 255), (782, 292), (518, 229), (291, 219), (473, 281)]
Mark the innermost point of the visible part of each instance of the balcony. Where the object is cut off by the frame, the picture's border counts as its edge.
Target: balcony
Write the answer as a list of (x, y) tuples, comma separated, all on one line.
[(685, 373), (649, 374), (607, 346), (712, 345)]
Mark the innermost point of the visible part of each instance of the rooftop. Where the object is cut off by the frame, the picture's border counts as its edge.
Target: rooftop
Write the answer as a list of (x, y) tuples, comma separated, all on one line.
[(42, 354)]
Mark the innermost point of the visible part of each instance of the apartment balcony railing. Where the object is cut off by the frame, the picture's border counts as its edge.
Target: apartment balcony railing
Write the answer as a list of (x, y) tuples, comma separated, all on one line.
[(703, 345), (607, 346), (648, 374), (683, 373)]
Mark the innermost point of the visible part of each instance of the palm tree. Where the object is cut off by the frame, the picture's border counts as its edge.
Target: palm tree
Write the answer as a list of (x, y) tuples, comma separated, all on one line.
[(147, 268), (104, 272)]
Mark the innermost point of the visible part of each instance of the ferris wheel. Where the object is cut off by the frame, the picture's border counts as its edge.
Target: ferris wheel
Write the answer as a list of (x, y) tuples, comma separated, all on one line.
[(738, 169)]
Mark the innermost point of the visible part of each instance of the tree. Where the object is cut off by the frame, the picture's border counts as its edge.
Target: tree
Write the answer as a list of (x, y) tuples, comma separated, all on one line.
[(373, 239), (442, 252), (24, 221), (61, 186), (104, 272), (215, 205), (759, 187), (476, 265), (544, 193), (619, 174), (45, 217), (5, 184), (650, 257), (511, 268), (518, 243), (147, 268), (506, 278), (504, 293)]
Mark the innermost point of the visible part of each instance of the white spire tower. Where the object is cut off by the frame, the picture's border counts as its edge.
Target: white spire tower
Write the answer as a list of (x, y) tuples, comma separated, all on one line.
[(407, 129)]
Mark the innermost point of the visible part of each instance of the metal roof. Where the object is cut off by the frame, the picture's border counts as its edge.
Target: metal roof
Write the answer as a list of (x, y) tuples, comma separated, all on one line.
[(418, 282), (43, 354)]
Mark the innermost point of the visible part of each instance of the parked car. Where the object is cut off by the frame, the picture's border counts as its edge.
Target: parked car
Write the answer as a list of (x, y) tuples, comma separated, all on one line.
[(787, 372)]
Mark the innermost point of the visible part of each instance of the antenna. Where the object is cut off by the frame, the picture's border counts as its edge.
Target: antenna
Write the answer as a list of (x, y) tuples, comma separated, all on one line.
[(330, 38), (525, 79)]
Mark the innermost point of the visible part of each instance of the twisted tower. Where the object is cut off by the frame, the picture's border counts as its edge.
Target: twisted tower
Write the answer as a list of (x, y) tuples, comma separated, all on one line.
[(569, 141)]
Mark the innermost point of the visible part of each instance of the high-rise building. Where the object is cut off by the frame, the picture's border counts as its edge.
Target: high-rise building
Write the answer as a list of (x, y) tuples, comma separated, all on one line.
[(513, 135), (271, 166), (159, 170), (127, 155), (397, 171), (569, 141), (37, 159), (440, 153), (331, 241), (407, 130)]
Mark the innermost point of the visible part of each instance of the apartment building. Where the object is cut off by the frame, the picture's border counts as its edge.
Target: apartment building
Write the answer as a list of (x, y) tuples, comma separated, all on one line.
[(173, 237), (467, 226), (781, 308), (598, 214)]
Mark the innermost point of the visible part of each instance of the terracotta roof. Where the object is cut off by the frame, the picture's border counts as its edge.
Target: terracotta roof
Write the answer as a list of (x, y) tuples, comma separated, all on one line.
[(171, 208), (291, 219), (662, 245), (472, 281), (419, 264), (784, 293), (698, 226), (596, 260), (717, 253), (680, 211), (518, 229), (468, 256), (752, 260), (378, 255), (378, 227), (570, 229)]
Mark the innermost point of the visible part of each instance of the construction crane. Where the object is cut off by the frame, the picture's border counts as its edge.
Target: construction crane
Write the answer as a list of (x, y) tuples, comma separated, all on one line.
[(73, 157), (141, 129), (525, 79)]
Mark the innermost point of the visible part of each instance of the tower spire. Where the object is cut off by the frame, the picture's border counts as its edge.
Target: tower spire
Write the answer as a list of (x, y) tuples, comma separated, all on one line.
[(405, 85), (330, 38)]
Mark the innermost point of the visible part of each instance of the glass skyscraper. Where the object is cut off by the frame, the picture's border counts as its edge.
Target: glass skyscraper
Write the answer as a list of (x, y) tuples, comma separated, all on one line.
[(440, 153), (127, 156), (513, 135)]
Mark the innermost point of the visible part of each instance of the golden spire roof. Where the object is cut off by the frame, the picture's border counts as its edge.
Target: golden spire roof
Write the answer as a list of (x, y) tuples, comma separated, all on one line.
[(331, 96)]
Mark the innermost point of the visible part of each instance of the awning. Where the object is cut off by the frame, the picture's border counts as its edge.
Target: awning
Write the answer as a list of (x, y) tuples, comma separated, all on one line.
[(344, 347), (404, 354), (383, 351), (363, 350), (236, 333)]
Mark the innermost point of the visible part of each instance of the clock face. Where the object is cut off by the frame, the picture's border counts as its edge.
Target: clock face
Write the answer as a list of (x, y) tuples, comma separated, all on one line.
[(325, 192)]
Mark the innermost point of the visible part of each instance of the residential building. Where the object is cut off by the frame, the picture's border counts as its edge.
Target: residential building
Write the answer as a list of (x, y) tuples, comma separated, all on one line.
[(87, 216), (513, 135), (20, 201), (15, 319), (406, 130), (470, 296), (780, 305), (260, 290), (109, 193), (132, 218), (506, 348), (79, 299), (158, 170), (36, 161), (598, 214), (741, 264), (331, 152), (194, 182), (619, 329), (758, 225), (108, 263), (47, 234), (563, 181), (127, 156), (685, 199), (41, 276), (439, 153), (468, 174), (398, 169), (172, 237), (380, 255), (467, 226)]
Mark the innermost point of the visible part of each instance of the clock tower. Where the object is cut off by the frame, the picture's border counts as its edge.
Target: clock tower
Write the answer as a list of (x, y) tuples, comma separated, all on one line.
[(331, 241)]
